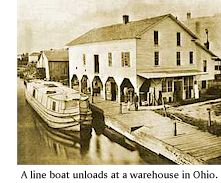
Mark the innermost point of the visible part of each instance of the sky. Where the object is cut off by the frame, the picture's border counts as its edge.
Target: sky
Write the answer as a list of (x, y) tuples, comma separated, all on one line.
[(46, 24)]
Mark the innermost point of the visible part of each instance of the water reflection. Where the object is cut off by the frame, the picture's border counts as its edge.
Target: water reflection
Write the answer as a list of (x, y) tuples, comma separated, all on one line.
[(93, 148)]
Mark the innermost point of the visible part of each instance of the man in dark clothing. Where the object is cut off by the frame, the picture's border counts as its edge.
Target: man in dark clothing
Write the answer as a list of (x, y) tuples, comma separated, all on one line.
[(135, 100)]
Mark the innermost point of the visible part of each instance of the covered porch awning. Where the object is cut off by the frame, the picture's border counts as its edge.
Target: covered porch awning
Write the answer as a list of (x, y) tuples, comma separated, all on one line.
[(168, 74)]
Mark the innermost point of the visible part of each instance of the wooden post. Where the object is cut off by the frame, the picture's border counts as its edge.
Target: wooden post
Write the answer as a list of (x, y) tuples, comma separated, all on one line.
[(120, 108), (164, 107), (175, 129), (209, 121), (92, 98)]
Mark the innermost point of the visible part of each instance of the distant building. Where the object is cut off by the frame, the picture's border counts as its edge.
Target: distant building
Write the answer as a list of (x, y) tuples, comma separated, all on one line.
[(156, 58), (34, 57), (22, 59), (208, 30), (19, 56), (54, 64)]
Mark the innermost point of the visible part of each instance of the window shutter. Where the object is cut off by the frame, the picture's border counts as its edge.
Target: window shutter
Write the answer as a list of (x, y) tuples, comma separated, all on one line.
[(128, 59), (122, 59)]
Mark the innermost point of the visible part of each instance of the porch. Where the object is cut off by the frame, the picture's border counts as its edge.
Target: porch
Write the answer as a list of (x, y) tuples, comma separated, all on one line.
[(167, 87)]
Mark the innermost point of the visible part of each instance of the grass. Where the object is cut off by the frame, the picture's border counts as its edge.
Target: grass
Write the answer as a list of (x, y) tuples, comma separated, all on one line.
[(217, 109), (203, 125), (192, 101)]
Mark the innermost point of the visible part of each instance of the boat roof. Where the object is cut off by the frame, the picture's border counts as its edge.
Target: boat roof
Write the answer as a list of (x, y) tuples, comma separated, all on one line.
[(57, 91)]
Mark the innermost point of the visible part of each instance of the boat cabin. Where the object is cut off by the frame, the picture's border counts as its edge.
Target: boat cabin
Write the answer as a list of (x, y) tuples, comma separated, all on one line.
[(57, 98)]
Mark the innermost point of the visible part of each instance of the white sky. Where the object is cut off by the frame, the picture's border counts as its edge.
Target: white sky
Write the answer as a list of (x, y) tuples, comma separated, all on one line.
[(44, 24)]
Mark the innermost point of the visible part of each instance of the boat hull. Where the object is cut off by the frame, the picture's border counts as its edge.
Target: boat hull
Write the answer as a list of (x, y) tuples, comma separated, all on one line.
[(68, 122)]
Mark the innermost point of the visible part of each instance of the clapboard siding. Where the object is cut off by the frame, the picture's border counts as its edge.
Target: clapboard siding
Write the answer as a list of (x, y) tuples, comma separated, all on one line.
[(167, 47)]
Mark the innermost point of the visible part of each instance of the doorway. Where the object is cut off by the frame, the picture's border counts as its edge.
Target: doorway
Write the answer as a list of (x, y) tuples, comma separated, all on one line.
[(85, 85), (178, 92), (111, 89), (97, 85), (126, 90), (75, 83)]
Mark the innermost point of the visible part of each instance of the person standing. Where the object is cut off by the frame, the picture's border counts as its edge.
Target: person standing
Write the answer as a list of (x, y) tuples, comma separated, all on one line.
[(135, 100), (125, 94)]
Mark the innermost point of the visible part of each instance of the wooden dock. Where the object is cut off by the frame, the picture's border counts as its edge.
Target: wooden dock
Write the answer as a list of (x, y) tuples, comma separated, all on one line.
[(156, 133)]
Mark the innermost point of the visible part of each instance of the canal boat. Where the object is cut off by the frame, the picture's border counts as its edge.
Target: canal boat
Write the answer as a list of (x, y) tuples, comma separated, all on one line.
[(59, 106)]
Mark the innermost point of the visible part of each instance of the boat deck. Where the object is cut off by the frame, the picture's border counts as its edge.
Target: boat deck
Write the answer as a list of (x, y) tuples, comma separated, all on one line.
[(57, 91)]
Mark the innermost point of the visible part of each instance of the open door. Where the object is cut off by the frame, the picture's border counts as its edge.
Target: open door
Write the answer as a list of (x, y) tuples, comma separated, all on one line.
[(178, 91), (113, 91)]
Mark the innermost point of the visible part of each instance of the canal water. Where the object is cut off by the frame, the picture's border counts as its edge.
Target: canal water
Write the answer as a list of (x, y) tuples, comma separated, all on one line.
[(39, 144)]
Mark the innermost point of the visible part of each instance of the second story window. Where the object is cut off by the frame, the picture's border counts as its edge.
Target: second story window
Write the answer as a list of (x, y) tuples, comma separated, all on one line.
[(204, 66), (155, 37), (178, 58), (178, 39), (84, 59), (191, 57), (109, 59), (156, 58), (125, 59)]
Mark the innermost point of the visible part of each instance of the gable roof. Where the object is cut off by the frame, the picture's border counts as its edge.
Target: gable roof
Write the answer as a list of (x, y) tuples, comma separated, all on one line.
[(57, 55), (35, 54), (131, 30)]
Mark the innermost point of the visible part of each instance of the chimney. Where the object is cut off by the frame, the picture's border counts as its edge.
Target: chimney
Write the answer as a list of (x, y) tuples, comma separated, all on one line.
[(125, 19), (207, 39), (188, 15)]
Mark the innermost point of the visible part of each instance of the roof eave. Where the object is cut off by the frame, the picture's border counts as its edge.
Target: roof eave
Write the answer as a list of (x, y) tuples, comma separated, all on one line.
[(205, 49), (183, 26), (135, 37)]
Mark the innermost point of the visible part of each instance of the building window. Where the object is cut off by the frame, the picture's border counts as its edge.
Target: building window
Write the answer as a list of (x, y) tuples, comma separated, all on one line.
[(156, 58), (177, 58), (216, 67), (84, 59), (178, 39), (34, 93), (204, 84), (155, 37), (191, 57), (170, 85), (164, 86), (96, 63), (109, 59), (125, 59), (204, 66), (53, 105)]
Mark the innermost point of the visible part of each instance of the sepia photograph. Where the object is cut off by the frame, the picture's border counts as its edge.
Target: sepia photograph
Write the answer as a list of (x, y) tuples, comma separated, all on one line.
[(124, 82)]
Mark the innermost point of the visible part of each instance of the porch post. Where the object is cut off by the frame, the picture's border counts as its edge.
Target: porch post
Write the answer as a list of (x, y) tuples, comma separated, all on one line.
[(196, 90), (80, 85), (118, 94), (182, 89), (103, 90)]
